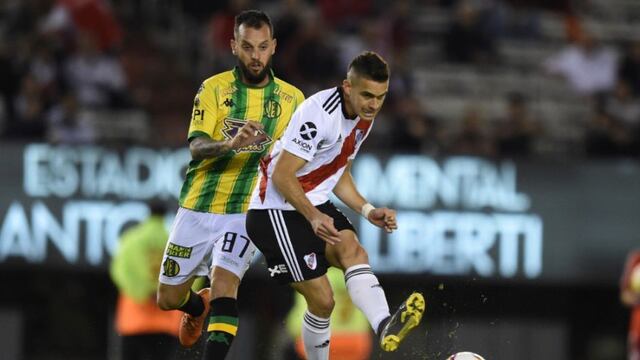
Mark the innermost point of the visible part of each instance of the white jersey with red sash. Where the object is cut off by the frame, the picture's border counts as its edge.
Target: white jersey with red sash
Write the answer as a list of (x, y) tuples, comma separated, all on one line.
[(320, 133)]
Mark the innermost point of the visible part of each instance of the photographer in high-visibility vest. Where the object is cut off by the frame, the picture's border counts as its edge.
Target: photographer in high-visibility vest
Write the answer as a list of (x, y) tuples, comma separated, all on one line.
[(146, 331)]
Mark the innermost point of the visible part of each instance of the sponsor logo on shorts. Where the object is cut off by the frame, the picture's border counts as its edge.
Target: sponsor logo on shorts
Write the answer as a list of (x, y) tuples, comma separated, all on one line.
[(229, 261), (323, 345), (311, 261), (170, 268), (178, 251), (278, 269)]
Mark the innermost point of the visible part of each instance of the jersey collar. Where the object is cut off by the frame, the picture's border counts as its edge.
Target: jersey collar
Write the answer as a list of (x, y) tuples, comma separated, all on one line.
[(343, 107)]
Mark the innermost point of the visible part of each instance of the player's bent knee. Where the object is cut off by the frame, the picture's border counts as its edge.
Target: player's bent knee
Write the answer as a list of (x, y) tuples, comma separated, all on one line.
[(361, 255), (169, 297), (353, 255), (321, 306)]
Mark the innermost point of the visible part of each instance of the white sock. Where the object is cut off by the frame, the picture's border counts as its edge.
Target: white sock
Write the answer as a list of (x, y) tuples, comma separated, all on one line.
[(315, 335), (367, 294)]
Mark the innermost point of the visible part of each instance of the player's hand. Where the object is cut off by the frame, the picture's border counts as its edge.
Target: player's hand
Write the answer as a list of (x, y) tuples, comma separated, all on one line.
[(322, 225), (384, 218), (251, 132)]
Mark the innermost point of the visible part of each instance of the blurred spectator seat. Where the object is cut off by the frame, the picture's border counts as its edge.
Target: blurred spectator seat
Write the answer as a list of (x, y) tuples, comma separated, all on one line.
[(629, 70), (117, 126), (66, 126), (28, 119), (517, 131), (473, 137), (605, 136), (622, 106), (466, 40), (97, 79)]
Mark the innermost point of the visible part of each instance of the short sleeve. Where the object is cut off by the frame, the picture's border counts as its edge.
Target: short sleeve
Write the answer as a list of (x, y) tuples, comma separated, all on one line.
[(203, 115), (305, 131), (299, 98)]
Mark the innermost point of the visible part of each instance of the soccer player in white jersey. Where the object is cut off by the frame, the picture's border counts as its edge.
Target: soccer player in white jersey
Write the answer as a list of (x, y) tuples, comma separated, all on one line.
[(301, 232)]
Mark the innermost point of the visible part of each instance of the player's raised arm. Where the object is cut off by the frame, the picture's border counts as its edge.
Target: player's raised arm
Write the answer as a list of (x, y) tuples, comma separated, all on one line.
[(348, 193), (285, 180)]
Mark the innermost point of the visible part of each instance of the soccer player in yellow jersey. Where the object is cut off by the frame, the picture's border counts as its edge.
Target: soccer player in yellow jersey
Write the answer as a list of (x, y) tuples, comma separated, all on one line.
[(237, 115)]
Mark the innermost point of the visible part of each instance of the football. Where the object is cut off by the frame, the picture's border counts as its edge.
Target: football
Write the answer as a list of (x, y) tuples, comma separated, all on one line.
[(465, 355)]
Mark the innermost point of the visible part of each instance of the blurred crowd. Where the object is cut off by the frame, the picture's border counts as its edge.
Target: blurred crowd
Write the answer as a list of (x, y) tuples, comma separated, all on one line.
[(59, 59), (67, 67)]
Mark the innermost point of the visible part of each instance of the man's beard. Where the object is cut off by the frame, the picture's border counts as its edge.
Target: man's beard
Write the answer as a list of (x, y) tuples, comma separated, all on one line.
[(249, 75)]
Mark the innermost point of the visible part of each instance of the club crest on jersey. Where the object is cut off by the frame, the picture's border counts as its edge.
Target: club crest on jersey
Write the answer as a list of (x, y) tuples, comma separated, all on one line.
[(272, 109), (230, 129), (359, 135), (311, 261), (308, 130)]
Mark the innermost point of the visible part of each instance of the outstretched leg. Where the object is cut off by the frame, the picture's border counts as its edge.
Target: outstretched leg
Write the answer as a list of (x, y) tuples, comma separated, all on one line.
[(368, 295), (363, 286)]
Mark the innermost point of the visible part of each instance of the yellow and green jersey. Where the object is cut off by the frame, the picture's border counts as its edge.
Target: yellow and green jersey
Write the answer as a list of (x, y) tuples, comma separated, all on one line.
[(223, 104)]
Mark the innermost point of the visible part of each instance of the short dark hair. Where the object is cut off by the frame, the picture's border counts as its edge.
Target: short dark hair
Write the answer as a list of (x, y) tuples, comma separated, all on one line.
[(254, 19), (371, 66)]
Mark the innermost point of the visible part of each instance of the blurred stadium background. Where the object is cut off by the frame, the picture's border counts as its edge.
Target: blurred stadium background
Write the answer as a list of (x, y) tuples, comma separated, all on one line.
[(509, 144)]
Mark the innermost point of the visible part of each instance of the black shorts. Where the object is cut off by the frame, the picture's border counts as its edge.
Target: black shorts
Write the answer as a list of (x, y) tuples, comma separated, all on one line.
[(293, 251)]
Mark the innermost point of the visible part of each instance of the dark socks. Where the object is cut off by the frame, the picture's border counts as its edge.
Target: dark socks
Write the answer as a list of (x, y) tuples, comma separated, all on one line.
[(222, 327), (193, 304)]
